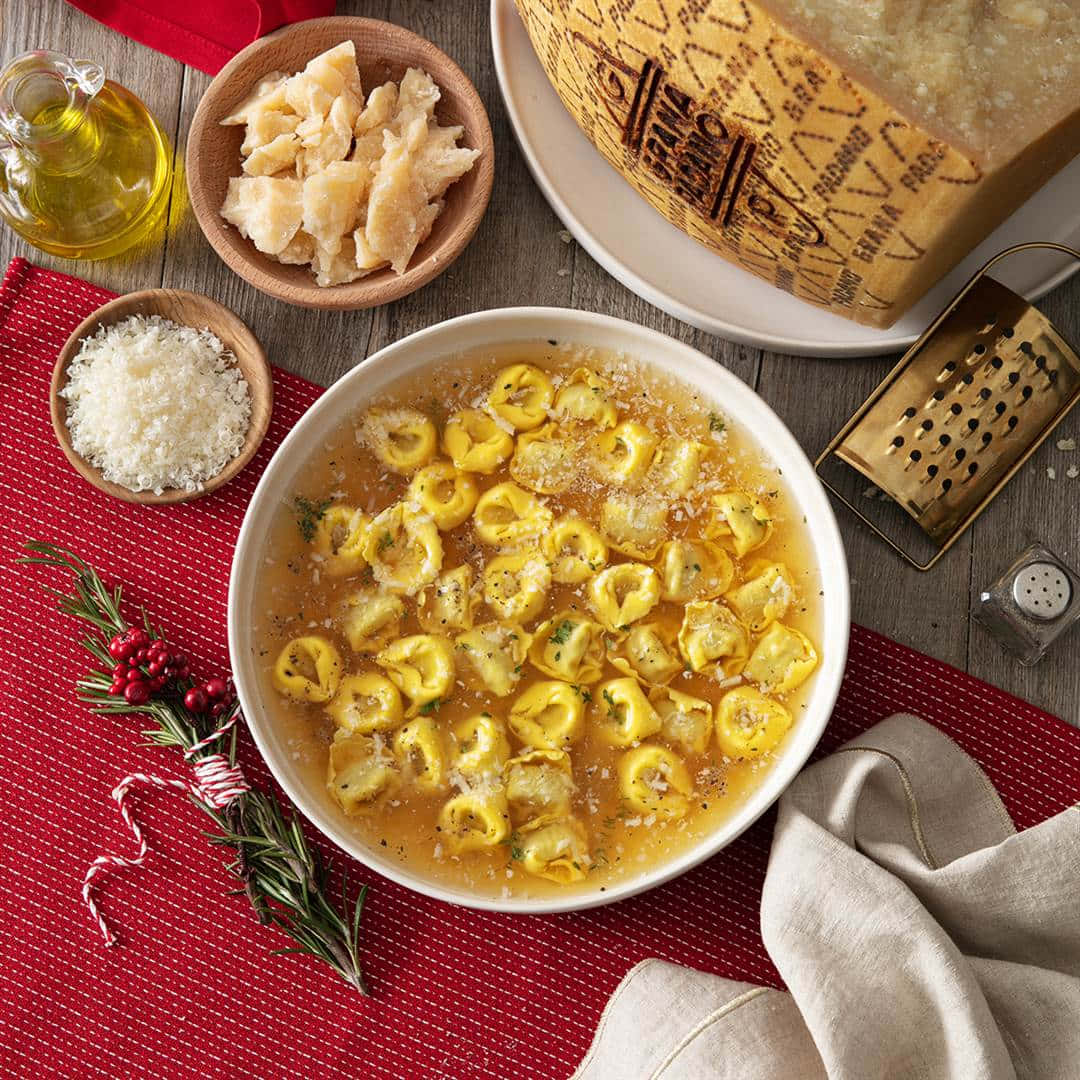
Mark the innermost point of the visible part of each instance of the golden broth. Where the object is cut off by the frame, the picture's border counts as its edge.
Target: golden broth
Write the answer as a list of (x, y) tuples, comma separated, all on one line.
[(298, 599)]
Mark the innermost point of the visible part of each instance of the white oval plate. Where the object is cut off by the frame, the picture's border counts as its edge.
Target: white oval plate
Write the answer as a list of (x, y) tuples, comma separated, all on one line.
[(664, 266), (420, 351)]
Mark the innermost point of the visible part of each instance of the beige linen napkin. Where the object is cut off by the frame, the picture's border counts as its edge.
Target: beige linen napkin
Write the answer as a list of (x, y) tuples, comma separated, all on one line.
[(919, 935)]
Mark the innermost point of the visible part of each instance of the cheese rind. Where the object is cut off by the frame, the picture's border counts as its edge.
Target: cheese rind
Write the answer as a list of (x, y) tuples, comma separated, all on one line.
[(753, 142)]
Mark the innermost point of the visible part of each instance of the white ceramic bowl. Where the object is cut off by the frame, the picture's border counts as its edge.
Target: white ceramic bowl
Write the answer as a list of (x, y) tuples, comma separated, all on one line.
[(426, 348)]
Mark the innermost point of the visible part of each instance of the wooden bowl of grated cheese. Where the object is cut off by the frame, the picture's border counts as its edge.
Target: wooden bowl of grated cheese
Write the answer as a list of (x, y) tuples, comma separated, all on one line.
[(258, 233), (167, 391)]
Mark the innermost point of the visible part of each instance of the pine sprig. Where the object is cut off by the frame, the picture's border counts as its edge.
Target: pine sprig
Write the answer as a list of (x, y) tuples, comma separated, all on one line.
[(285, 880)]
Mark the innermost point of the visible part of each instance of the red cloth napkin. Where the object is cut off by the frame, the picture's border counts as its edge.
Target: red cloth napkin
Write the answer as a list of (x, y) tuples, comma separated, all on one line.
[(203, 33), (192, 990)]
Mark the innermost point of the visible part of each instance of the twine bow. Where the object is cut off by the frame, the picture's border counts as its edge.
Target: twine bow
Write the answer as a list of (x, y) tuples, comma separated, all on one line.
[(216, 783)]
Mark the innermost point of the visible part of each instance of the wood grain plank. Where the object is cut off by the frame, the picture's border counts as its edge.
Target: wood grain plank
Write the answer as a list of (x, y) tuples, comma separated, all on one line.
[(156, 79), (1034, 507), (814, 396)]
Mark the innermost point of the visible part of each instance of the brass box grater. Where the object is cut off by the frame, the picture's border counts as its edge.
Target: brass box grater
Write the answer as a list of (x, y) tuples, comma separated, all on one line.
[(965, 407)]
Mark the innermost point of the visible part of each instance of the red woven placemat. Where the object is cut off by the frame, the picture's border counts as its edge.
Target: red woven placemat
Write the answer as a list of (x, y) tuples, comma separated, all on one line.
[(192, 990)]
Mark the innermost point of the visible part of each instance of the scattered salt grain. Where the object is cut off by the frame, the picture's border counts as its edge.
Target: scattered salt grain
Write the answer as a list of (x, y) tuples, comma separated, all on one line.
[(565, 237), (1066, 444), (156, 405), (1051, 472), (1072, 472), (563, 271)]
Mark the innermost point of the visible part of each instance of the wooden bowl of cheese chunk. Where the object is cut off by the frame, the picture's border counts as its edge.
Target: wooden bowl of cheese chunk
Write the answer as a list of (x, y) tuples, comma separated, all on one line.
[(340, 163)]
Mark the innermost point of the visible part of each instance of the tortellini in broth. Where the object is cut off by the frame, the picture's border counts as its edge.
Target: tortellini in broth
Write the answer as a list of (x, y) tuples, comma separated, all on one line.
[(543, 619)]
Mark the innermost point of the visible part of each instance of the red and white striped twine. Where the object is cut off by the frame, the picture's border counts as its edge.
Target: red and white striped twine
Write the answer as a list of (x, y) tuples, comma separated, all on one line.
[(217, 783)]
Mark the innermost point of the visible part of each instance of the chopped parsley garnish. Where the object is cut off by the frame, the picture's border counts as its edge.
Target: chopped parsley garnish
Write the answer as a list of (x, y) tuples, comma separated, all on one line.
[(385, 541), (308, 515), (562, 632), (432, 707), (612, 708), (716, 422)]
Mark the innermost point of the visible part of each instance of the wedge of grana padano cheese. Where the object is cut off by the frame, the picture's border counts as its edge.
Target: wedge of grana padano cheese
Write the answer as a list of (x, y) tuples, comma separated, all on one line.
[(850, 152)]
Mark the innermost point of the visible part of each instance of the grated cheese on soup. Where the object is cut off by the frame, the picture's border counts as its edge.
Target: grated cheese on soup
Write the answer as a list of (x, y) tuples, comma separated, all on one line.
[(156, 405)]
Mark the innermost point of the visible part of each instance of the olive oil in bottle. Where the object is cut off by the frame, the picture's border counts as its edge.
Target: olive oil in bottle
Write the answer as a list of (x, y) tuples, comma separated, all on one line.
[(85, 170)]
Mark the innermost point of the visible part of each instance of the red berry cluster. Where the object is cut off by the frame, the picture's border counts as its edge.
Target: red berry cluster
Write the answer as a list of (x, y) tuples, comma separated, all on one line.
[(144, 665), (215, 696)]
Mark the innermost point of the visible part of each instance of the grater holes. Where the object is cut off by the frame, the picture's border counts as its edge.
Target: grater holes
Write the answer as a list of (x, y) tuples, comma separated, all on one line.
[(927, 425), (991, 322), (1025, 347), (1013, 378), (915, 456), (1007, 331), (898, 442), (1052, 375), (909, 412), (946, 371), (1000, 408), (931, 471), (1040, 361), (944, 439), (973, 424), (987, 438), (1013, 421), (996, 363), (1026, 393), (937, 395), (956, 408), (961, 453), (945, 485), (984, 393), (967, 378), (973, 468), (980, 349)]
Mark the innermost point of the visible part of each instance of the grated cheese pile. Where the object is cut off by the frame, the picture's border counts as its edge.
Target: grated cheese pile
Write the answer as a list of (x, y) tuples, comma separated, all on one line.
[(156, 405)]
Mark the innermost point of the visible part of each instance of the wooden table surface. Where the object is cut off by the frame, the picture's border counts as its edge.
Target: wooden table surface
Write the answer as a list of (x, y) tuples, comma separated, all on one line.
[(814, 396)]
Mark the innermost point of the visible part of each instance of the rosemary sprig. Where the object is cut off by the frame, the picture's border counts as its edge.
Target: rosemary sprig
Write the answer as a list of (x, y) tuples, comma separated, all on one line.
[(285, 880)]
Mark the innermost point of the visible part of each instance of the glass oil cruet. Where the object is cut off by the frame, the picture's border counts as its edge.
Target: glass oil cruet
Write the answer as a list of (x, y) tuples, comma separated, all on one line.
[(85, 170)]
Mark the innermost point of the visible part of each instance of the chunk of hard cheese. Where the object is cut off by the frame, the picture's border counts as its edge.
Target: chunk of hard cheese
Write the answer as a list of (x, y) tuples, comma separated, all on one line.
[(848, 152)]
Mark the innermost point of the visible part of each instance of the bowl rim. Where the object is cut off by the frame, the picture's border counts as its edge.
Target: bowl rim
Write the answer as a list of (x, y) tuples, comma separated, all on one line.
[(498, 326), (228, 327), (364, 292)]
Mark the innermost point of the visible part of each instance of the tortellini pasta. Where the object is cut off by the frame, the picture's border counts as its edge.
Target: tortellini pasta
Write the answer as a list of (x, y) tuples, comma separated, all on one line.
[(475, 443), (743, 522), (684, 719), (764, 597), (649, 652), (749, 724), (361, 772), (449, 602), (634, 524), (507, 516), (569, 647), (539, 782), (496, 652), (545, 460), (521, 395), (366, 703), (624, 593), (627, 716), (569, 628), (516, 586), (555, 850), (711, 637), (339, 540), (783, 659), (372, 620), (654, 780), (418, 746), (421, 667), (402, 439), (446, 494), (308, 669), (481, 746), (676, 465), (624, 454), (693, 570), (548, 715), (403, 548), (575, 550), (583, 396), (474, 820)]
